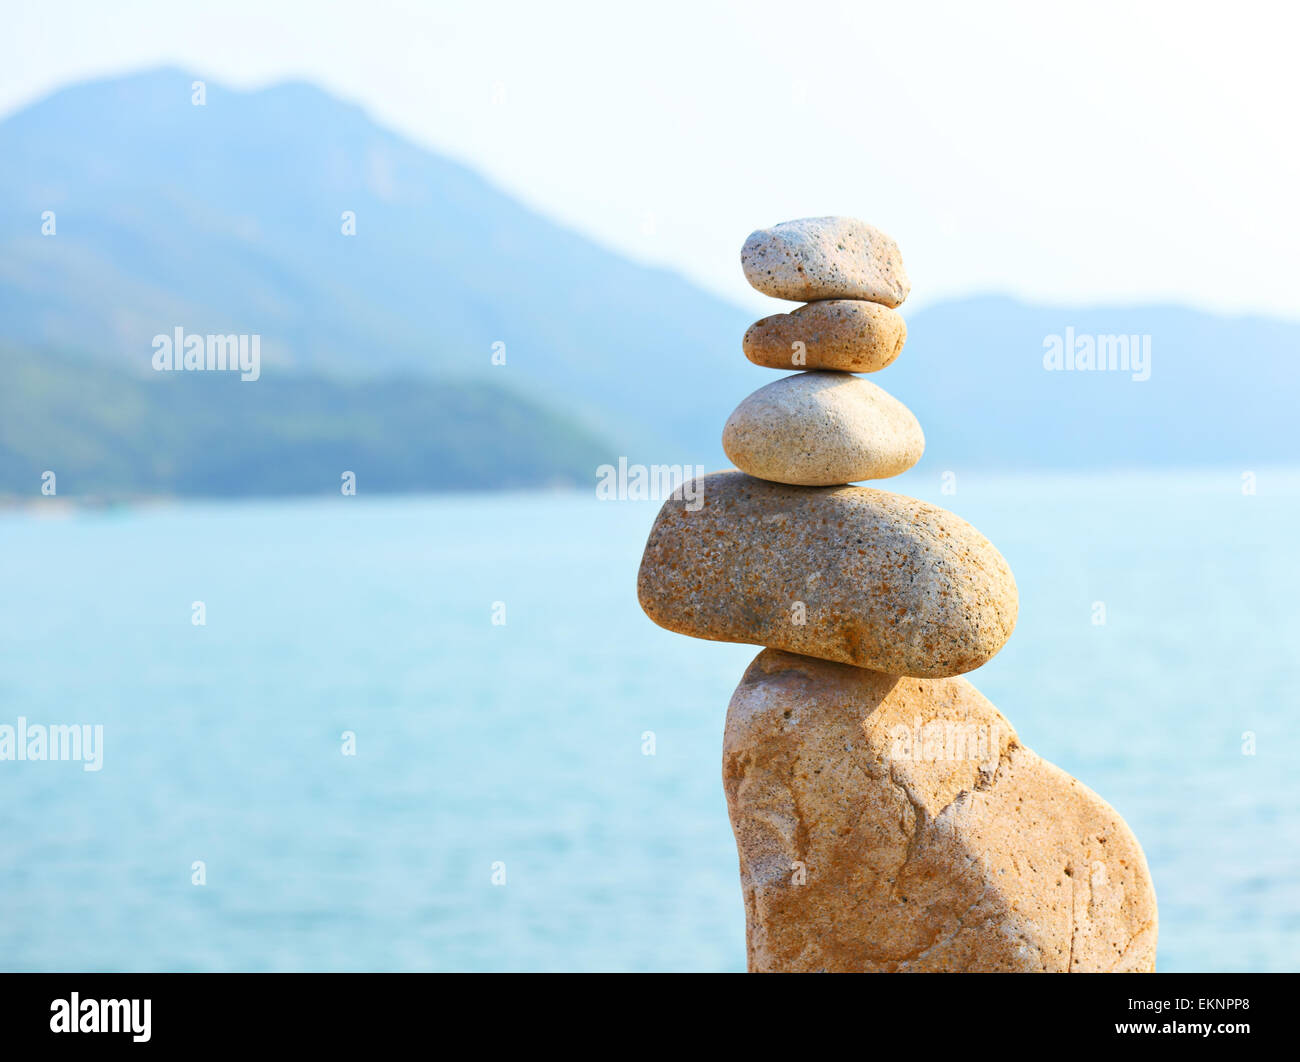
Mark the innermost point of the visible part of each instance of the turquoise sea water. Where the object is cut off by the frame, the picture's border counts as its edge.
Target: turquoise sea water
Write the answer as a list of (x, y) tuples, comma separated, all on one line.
[(481, 744)]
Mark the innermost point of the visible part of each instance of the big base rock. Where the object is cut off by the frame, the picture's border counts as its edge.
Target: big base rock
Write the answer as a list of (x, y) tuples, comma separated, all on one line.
[(898, 824)]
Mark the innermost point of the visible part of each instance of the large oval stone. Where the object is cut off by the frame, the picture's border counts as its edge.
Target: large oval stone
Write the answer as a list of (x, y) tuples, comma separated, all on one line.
[(820, 429), (852, 574), (825, 258), (846, 334), (895, 825)]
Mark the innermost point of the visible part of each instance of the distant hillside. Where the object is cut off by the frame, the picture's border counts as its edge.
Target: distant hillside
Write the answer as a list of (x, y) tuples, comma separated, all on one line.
[(106, 433), (1221, 389), (226, 218)]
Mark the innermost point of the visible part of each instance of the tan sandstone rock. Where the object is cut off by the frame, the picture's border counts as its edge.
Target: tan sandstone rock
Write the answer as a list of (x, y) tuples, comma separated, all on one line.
[(897, 824), (852, 574), (821, 429), (825, 258), (846, 334)]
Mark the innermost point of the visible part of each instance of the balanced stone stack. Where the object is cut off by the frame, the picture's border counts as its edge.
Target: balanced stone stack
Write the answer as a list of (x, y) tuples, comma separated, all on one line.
[(887, 816)]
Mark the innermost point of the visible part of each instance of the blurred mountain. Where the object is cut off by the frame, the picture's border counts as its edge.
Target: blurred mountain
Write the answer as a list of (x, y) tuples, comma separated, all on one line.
[(228, 217), (1219, 390), (107, 433)]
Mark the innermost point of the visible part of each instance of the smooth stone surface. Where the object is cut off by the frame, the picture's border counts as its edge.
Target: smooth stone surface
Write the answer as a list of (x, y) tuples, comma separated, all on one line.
[(825, 258), (852, 574), (846, 334), (822, 429), (894, 825)]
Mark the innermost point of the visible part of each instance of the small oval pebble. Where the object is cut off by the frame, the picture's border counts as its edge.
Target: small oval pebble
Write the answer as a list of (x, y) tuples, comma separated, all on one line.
[(825, 258), (846, 334), (822, 429)]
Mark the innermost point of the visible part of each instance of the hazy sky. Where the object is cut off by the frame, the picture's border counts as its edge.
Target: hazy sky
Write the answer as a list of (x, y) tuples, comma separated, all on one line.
[(1098, 151)]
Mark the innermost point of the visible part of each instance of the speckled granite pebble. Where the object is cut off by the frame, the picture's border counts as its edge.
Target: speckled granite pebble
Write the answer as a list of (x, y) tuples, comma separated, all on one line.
[(821, 429), (825, 258), (852, 574), (846, 334), (895, 825)]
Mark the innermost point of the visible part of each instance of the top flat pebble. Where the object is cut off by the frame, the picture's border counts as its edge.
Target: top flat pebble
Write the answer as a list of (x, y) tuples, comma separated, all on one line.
[(825, 258)]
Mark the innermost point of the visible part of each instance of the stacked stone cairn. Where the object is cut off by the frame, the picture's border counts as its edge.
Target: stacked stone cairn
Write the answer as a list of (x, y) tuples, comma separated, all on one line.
[(887, 816)]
